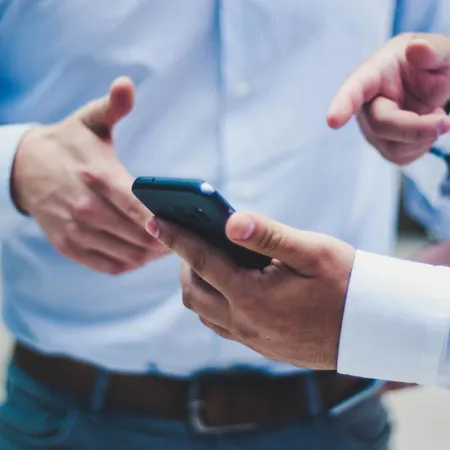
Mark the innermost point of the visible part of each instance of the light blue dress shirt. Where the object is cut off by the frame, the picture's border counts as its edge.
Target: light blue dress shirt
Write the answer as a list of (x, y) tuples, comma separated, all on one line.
[(234, 92)]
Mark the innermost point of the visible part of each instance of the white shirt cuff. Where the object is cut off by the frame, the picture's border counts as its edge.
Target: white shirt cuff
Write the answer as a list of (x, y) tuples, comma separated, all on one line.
[(396, 320)]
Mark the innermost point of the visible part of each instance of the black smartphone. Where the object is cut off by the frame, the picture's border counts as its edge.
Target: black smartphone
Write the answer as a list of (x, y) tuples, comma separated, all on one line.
[(196, 206)]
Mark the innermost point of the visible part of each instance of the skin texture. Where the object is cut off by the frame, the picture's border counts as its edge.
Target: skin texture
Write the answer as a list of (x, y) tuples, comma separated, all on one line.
[(292, 311), (398, 96), (67, 177)]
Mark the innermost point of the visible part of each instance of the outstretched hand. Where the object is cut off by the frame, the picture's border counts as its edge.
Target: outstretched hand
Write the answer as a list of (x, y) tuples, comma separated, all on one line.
[(398, 96)]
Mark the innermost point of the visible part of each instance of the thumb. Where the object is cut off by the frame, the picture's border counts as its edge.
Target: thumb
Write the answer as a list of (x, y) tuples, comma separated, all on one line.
[(102, 114), (429, 55), (429, 52), (302, 251)]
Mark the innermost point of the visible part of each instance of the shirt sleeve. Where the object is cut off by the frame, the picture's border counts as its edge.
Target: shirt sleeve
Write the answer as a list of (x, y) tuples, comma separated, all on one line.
[(10, 216), (396, 321), (422, 16)]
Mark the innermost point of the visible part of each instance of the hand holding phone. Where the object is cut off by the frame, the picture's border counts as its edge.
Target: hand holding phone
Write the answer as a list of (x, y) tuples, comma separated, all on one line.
[(196, 206)]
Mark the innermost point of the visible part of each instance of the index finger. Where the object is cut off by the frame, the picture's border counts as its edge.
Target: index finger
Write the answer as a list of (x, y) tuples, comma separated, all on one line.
[(362, 86), (208, 262), (116, 190)]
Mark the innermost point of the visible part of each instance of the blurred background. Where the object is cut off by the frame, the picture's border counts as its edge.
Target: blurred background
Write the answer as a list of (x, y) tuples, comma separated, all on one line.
[(421, 416)]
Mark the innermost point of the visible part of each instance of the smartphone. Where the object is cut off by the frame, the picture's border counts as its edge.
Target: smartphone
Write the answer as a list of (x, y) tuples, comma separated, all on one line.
[(196, 206)]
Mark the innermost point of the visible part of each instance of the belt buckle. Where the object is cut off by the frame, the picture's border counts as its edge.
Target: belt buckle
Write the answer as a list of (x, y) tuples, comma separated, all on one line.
[(197, 416), (372, 388)]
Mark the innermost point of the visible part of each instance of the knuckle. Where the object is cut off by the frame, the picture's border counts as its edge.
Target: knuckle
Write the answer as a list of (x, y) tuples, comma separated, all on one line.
[(401, 156), (405, 136), (127, 266), (251, 295), (85, 208), (420, 135), (204, 321), (136, 256), (198, 261), (185, 275), (377, 125), (221, 332), (269, 240), (93, 104), (62, 244), (133, 209), (404, 160), (382, 127), (218, 330), (93, 178), (170, 240), (322, 257), (114, 268), (390, 150), (386, 154), (372, 140), (73, 231), (188, 297), (243, 332), (155, 248)]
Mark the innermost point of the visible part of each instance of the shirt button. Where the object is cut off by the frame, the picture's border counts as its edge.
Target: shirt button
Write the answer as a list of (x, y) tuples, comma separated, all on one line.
[(242, 89)]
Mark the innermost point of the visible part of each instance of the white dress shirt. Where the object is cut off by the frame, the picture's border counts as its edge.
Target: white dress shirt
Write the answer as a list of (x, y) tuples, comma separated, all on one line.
[(234, 92)]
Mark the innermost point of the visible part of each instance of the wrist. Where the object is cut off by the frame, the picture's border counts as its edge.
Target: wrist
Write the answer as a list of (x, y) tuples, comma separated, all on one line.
[(18, 183), (334, 303)]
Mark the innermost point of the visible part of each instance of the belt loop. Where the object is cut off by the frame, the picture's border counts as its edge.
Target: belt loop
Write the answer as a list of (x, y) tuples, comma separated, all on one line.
[(99, 392), (313, 395)]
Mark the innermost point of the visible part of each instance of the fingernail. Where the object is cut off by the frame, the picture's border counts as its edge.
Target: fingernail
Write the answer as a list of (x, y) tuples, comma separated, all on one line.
[(242, 230), (152, 227), (443, 127)]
